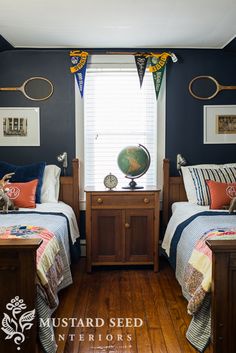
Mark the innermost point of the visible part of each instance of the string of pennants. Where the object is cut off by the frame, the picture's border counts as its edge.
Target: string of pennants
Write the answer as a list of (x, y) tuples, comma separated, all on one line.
[(155, 62)]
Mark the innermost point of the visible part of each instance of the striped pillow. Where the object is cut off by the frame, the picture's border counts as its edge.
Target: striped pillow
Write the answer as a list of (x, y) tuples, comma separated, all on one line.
[(223, 175)]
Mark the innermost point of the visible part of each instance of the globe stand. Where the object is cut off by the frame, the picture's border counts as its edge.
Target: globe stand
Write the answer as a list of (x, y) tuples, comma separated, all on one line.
[(132, 185)]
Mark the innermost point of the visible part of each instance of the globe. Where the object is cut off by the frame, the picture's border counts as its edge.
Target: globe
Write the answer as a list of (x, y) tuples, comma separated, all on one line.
[(134, 162)]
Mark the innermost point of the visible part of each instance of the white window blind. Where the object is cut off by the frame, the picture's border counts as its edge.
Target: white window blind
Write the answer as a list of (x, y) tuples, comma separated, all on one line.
[(117, 113)]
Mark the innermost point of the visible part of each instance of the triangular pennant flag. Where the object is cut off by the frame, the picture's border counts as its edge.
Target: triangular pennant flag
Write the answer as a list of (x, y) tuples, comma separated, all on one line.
[(141, 64), (79, 60), (157, 79), (158, 63)]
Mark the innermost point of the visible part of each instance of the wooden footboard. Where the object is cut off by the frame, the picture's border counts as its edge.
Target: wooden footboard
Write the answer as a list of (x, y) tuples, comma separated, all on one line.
[(223, 295), (18, 294), (223, 272)]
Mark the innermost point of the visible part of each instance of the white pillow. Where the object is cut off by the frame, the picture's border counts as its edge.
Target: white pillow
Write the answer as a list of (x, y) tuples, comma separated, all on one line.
[(188, 180), (51, 184)]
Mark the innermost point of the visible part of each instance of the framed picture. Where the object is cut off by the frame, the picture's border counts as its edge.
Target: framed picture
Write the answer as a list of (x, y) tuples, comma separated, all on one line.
[(19, 127), (219, 124)]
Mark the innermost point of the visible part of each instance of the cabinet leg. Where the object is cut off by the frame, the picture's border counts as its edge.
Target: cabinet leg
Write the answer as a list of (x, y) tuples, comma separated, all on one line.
[(89, 267), (156, 264)]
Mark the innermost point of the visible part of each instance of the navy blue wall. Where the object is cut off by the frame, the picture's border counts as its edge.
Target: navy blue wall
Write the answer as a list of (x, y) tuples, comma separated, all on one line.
[(57, 114), (184, 114)]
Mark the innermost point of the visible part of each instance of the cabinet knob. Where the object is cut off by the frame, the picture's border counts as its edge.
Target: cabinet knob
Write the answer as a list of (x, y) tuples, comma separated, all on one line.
[(127, 225), (146, 200), (99, 200)]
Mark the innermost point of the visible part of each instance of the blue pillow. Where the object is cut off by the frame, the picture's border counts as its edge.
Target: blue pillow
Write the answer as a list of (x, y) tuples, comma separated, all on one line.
[(25, 173)]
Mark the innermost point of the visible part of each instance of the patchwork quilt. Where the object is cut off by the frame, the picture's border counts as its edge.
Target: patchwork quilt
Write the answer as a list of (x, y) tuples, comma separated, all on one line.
[(198, 272), (191, 259), (48, 259)]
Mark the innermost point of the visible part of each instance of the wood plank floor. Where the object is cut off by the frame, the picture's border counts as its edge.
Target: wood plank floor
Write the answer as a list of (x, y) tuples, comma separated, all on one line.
[(155, 298)]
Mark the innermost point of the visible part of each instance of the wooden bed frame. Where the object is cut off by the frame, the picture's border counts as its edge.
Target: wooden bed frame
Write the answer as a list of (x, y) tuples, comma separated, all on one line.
[(223, 272), (18, 268)]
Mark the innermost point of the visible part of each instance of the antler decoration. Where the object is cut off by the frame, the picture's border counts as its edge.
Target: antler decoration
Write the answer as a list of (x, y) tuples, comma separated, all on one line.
[(5, 178)]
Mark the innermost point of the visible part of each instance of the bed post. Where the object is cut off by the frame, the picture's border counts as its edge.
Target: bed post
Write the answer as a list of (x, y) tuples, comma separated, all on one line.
[(75, 170), (166, 189), (173, 191), (223, 295), (69, 188)]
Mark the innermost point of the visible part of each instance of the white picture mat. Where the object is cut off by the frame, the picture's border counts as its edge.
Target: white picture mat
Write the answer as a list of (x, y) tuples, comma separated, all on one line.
[(32, 133), (211, 112)]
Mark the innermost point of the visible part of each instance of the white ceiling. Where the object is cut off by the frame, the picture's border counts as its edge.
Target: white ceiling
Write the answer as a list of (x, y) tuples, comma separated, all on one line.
[(118, 23)]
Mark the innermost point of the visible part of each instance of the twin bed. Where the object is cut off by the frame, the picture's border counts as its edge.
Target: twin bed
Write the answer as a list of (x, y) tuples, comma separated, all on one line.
[(35, 257), (209, 287)]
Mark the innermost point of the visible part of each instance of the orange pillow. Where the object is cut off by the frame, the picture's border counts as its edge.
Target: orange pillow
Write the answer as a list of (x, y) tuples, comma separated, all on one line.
[(220, 193), (23, 194)]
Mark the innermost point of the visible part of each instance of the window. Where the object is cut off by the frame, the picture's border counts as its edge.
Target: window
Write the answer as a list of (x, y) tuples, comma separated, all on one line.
[(116, 113)]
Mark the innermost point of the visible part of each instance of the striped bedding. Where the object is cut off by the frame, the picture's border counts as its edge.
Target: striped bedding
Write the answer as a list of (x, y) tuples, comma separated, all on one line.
[(223, 175), (180, 247), (55, 224)]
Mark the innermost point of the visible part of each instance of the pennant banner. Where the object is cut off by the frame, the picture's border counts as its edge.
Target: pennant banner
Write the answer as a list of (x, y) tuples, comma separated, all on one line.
[(79, 60), (141, 64), (158, 63), (157, 66)]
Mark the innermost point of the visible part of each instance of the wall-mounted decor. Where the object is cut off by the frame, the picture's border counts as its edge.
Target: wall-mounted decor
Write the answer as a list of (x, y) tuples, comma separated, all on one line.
[(157, 67), (156, 62), (79, 60), (35, 88), (219, 124), (19, 127), (206, 87)]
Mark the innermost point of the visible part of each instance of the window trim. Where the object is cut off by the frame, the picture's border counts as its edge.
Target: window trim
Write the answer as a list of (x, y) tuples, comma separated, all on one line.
[(105, 61)]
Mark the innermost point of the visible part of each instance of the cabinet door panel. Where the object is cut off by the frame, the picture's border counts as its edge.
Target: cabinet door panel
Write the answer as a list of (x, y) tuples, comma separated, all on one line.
[(139, 236), (107, 235)]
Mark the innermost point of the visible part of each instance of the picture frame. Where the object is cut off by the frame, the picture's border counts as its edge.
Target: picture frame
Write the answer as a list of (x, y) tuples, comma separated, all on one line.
[(219, 124), (19, 126)]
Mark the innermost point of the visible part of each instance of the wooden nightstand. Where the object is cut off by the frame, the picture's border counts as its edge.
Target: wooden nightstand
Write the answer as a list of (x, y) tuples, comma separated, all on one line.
[(122, 227)]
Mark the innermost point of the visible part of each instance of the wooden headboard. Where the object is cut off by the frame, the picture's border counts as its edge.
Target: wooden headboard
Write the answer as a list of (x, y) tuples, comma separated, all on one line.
[(173, 191), (69, 188)]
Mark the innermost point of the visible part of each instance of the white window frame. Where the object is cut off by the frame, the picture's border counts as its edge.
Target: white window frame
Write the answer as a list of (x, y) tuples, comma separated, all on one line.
[(127, 61)]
